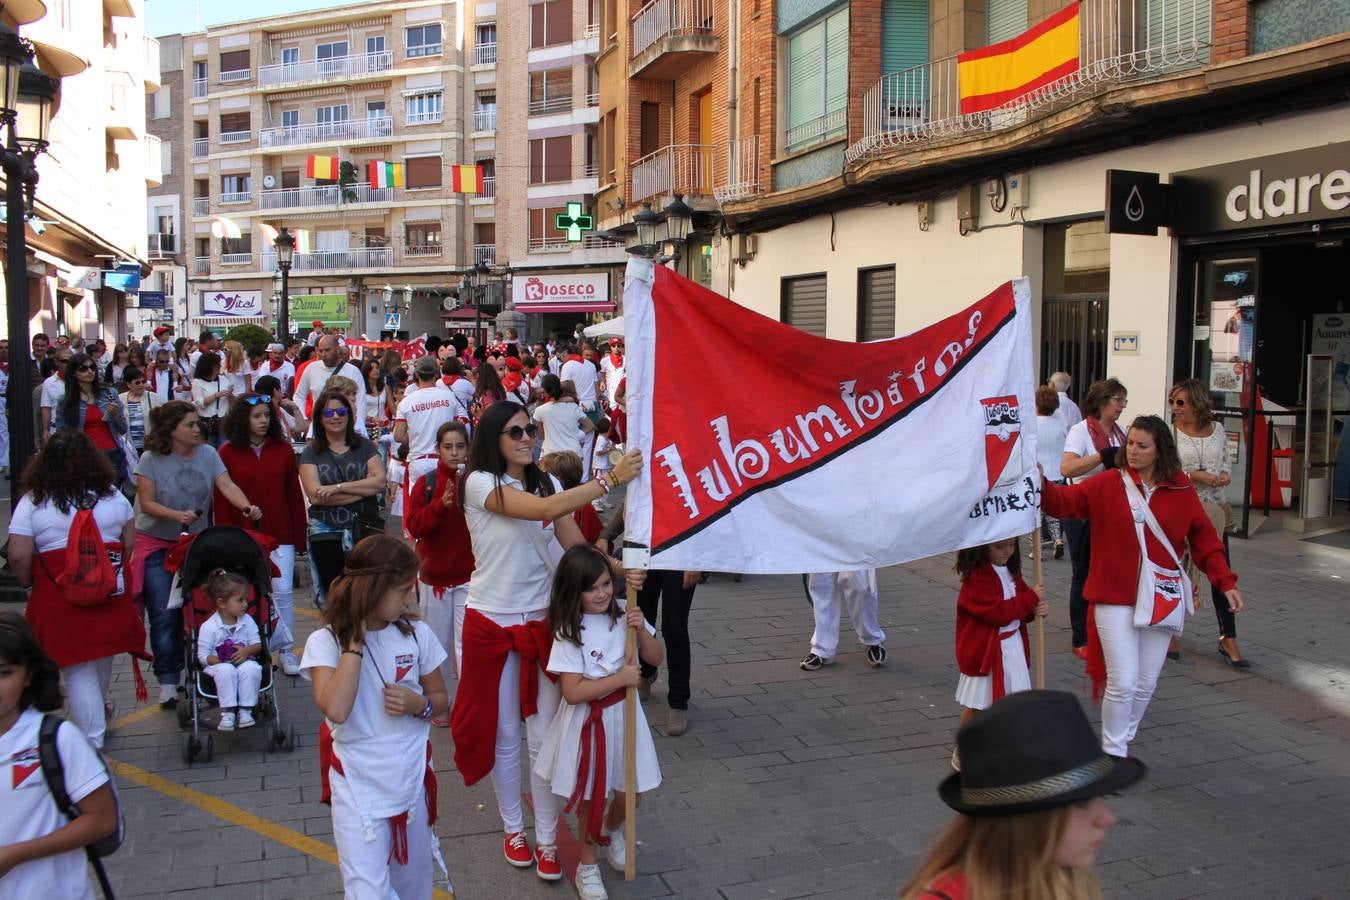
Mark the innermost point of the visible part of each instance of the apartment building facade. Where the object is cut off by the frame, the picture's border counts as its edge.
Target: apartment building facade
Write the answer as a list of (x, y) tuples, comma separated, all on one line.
[(97, 167), (885, 204), (166, 199)]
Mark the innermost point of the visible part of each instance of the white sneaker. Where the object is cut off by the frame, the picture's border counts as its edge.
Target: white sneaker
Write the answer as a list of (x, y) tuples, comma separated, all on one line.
[(168, 694), (226, 722), (289, 664), (617, 851), (246, 719), (590, 886)]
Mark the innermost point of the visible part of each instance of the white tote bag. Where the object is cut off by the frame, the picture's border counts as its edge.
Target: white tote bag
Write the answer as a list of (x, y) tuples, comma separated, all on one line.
[(1164, 596)]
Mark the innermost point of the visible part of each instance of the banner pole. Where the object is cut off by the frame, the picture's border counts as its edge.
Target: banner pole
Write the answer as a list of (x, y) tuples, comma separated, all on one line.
[(630, 754), (1040, 620)]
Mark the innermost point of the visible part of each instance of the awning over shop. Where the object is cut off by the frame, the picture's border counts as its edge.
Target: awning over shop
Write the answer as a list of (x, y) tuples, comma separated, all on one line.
[(584, 306)]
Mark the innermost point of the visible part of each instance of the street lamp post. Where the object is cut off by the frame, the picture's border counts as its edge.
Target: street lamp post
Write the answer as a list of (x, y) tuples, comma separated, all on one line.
[(679, 223), (27, 98), (481, 272), (285, 244), (645, 223)]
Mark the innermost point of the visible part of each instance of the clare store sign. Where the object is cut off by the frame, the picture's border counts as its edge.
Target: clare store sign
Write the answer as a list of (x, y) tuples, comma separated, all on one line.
[(1304, 186)]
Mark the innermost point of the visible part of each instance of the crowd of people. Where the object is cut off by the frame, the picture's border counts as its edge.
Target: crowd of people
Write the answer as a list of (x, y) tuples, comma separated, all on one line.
[(448, 508)]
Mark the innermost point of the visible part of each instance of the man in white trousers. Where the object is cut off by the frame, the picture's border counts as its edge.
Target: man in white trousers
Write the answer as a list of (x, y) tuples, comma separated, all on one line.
[(857, 590)]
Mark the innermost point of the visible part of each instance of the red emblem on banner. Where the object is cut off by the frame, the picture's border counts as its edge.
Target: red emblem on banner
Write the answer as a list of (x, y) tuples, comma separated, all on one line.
[(1002, 436)]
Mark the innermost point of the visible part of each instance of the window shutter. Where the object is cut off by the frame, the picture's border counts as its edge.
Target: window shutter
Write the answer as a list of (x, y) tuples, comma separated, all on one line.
[(876, 303), (537, 162), (1006, 19), (233, 60), (558, 158), (537, 38), (836, 61), (422, 171), (803, 303), (904, 34), (806, 53), (558, 28), (1174, 25)]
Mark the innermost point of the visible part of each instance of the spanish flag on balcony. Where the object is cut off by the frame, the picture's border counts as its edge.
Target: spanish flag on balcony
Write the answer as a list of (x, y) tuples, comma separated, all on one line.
[(992, 76), (384, 174), (466, 179), (322, 167)]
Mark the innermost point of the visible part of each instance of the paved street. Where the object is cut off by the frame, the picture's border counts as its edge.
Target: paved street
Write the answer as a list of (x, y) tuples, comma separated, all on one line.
[(822, 785)]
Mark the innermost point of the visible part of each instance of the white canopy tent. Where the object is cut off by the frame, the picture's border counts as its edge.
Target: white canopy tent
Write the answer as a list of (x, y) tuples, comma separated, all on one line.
[(612, 328)]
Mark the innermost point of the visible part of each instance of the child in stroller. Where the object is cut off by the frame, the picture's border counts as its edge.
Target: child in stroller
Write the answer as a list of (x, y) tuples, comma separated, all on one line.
[(227, 646)]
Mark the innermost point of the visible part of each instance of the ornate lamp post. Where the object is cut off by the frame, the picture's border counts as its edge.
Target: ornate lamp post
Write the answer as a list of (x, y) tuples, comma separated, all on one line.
[(646, 222), (285, 244), (679, 224)]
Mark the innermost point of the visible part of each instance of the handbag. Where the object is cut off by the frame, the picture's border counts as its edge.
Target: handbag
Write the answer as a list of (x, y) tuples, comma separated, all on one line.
[(1163, 598)]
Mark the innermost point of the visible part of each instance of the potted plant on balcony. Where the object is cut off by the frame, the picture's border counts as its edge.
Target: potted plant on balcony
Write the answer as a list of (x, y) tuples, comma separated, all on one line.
[(347, 178)]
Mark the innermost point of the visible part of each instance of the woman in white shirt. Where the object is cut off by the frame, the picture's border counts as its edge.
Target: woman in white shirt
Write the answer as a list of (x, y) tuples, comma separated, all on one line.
[(1089, 448), (236, 372), (514, 511), (1050, 435), (211, 394), (559, 417)]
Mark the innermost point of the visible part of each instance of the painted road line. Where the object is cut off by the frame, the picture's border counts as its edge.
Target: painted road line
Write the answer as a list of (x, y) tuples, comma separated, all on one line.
[(235, 815), (132, 718)]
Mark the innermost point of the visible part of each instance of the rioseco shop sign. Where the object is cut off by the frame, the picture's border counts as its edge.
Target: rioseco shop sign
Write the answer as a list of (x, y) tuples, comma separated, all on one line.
[(1303, 186)]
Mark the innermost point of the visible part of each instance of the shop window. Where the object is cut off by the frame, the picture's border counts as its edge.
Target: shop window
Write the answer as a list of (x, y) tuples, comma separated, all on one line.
[(802, 303), (876, 303)]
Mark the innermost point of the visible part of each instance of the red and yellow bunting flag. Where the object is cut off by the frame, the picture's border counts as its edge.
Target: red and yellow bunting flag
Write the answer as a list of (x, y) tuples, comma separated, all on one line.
[(384, 174), (466, 179), (322, 167), (992, 76)]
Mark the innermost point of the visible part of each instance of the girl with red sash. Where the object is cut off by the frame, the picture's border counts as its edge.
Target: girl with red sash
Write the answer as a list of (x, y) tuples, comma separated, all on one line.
[(377, 680), (582, 757), (68, 484)]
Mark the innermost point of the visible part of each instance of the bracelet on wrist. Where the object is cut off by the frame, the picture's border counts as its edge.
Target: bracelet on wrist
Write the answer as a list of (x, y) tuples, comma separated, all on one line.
[(426, 711), (353, 652)]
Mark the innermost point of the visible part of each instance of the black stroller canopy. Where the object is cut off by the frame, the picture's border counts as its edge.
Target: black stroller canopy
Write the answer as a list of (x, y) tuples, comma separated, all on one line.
[(226, 547)]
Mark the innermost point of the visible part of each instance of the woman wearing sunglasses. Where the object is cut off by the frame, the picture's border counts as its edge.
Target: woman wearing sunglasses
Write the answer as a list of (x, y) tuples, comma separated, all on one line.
[(92, 407), (342, 474), (506, 638), (259, 457)]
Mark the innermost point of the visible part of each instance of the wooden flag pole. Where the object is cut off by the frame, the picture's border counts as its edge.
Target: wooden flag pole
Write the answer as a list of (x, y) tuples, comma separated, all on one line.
[(630, 753), (1040, 620)]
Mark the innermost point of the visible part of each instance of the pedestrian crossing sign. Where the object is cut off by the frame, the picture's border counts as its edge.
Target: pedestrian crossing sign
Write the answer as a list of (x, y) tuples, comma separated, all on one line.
[(574, 222)]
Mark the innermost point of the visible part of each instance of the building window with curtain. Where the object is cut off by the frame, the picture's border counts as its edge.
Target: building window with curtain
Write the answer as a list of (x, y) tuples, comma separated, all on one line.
[(422, 172), (817, 88)]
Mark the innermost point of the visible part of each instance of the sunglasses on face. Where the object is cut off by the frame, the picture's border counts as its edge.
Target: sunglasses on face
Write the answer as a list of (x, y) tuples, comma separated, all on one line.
[(516, 432), (84, 368), (254, 401), (335, 413), (1178, 401)]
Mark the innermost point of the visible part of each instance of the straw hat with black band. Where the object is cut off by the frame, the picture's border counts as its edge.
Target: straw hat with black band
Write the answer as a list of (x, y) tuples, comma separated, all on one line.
[(1032, 750)]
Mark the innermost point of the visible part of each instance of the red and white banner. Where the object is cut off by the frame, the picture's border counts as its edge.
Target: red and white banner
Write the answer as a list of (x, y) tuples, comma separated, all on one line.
[(768, 450)]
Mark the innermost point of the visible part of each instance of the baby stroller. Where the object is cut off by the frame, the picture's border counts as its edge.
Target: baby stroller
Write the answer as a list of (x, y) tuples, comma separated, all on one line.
[(243, 552)]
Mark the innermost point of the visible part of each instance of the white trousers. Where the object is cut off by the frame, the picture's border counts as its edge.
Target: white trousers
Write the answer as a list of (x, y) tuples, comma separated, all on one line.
[(283, 593), (1134, 659), (858, 591), (236, 686), (444, 615), (506, 779), (86, 686), (367, 871)]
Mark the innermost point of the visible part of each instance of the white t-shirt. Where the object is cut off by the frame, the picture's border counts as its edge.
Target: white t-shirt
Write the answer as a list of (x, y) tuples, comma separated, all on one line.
[(237, 380), (613, 375), (463, 389), (53, 392), (383, 756), (1079, 443), (509, 572), (214, 631), (285, 373), (601, 653), (1068, 411), (396, 473), (561, 420), (583, 375), (316, 375), (49, 527), (30, 812), (424, 412), (196, 355)]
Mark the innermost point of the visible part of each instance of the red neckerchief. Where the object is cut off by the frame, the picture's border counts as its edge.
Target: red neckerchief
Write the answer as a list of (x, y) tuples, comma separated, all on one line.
[(1099, 436), (449, 380), (276, 365), (4, 367), (573, 357), (616, 360)]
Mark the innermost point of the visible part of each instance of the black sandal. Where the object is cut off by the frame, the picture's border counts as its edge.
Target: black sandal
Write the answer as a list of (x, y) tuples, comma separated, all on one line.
[(1235, 663)]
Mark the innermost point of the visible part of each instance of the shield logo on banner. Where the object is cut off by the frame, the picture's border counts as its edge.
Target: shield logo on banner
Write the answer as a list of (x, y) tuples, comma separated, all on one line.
[(1002, 440)]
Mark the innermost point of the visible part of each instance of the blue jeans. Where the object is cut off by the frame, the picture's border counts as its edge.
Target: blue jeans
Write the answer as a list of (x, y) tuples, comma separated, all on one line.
[(166, 625)]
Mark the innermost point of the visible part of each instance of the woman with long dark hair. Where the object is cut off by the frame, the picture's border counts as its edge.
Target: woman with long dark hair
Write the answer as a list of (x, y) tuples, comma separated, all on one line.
[(260, 459), (1134, 576), (113, 372), (92, 407), (506, 640), (175, 481), (488, 386), (69, 475), (342, 474), (211, 394)]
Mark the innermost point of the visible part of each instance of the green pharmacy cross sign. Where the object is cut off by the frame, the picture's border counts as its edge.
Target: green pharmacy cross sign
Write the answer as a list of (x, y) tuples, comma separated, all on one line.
[(574, 222)]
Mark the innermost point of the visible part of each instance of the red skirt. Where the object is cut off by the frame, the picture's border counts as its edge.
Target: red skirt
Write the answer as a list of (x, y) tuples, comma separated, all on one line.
[(74, 634)]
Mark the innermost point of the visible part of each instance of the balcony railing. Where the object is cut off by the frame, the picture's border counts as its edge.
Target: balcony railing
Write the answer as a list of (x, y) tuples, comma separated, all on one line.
[(741, 168), (817, 130), (348, 129), (592, 30), (430, 117), (670, 18), (550, 245), (485, 54), (592, 100), (1118, 41), (236, 259), (710, 170), (201, 207), (595, 242), (236, 75), (485, 253), (236, 197), (489, 188), (154, 160), (423, 249), (329, 260), (161, 246), (201, 265), (201, 148), (551, 105), (485, 120), (235, 137), (325, 69), (590, 170), (198, 88), (325, 195), (152, 73)]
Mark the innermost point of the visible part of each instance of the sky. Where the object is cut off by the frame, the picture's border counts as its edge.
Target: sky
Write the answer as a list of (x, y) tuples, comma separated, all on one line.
[(178, 16)]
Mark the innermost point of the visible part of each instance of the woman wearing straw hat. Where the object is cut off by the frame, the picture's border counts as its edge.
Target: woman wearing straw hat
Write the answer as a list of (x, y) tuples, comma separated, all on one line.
[(1031, 794)]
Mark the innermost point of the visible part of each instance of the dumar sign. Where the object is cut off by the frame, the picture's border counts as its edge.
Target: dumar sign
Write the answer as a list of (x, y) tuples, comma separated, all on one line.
[(1302, 186)]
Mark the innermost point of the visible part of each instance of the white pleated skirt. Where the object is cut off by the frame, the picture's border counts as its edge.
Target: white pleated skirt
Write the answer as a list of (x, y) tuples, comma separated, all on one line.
[(977, 691), (560, 755)]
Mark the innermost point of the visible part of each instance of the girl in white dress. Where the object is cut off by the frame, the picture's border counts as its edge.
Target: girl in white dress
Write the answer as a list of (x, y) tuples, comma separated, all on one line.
[(582, 756)]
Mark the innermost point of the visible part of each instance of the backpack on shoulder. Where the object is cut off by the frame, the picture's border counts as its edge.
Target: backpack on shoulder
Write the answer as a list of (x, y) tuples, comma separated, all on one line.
[(54, 772)]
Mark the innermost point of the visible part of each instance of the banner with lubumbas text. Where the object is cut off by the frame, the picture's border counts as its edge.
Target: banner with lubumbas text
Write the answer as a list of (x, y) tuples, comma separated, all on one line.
[(769, 450)]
